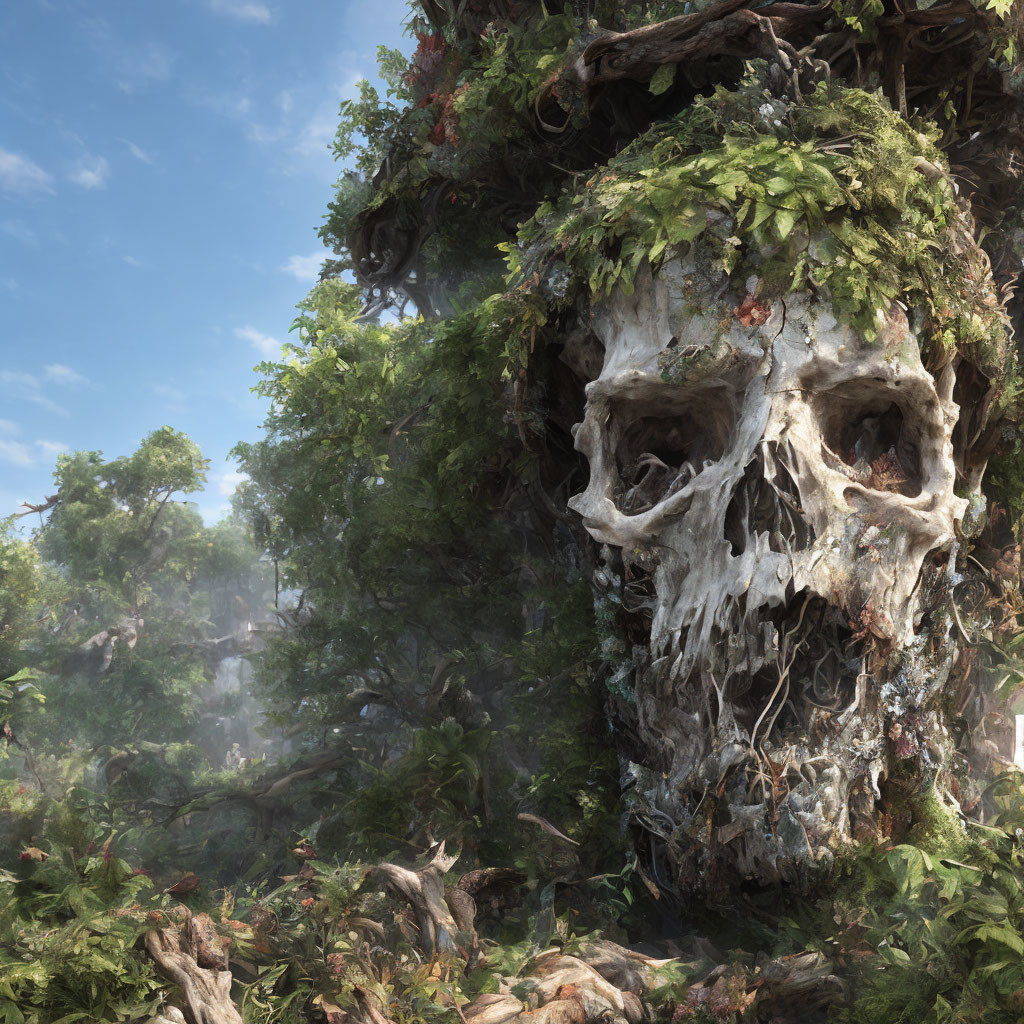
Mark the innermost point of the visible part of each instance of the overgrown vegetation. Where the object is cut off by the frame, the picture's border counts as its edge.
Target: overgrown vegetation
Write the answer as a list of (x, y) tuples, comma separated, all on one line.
[(837, 193), (414, 605)]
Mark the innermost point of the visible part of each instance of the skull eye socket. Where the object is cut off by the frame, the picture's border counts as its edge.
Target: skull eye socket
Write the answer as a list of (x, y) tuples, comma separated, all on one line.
[(658, 455), (867, 437)]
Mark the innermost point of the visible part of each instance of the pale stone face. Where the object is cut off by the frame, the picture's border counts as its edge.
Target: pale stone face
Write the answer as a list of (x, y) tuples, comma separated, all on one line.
[(755, 463)]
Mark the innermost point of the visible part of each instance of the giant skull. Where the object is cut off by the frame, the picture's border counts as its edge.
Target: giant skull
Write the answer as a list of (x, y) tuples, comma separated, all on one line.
[(781, 494)]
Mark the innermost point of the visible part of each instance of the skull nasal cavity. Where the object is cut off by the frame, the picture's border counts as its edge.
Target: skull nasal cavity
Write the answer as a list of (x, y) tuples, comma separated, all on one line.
[(872, 442), (658, 456)]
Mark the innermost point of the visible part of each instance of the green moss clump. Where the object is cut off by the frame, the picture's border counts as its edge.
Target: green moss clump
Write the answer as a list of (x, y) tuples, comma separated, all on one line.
[(836, 193), (937, 828)]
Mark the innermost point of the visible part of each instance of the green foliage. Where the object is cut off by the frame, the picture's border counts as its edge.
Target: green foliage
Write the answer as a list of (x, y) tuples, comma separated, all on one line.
[(111, 526), (318, 936), (115, 612), (937, 924), (368, 486), (444, 669), (375, 488), (826, 193), (465, 131), (70, 920), (15, 692), (1004, 476), (860, 15), (20, 583), (131, 564)]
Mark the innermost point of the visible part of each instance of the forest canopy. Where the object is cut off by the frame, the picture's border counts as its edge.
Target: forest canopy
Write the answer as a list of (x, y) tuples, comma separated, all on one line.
[(449, 721)]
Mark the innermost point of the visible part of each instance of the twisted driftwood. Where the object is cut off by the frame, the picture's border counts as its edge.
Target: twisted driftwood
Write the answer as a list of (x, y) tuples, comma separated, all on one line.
[(207, 991), (603, 981), (424, 890)]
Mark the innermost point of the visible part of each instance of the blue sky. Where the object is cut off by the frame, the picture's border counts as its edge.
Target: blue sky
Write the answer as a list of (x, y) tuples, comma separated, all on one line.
[(164, 167)]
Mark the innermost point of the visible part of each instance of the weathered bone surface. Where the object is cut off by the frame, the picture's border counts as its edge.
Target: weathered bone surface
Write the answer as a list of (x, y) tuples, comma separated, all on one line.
[(782, 495)]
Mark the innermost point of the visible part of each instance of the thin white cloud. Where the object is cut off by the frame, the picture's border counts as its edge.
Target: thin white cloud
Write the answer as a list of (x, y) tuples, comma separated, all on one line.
[(9, 427), (137, 151), (256, 132), (305, 268), (20, 176), (174, 398), (131, 261), (263, 343), (311, 140), (234, 104), (16, 453), (315, 137), (228, 482), (51, 448), (138, 64), (18, 378), (242, 10), (132, 63), (212, 513), (61, 374), (30, 388), (19, 230), (91, 172), (298, 124)]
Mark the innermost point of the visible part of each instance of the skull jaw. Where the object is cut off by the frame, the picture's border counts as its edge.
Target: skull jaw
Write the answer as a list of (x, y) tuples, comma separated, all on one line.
[(814, 488), (759, 781)]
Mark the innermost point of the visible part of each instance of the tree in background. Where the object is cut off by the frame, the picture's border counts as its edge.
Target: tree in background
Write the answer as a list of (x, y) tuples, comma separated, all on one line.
[(124, 611), (424, 618)]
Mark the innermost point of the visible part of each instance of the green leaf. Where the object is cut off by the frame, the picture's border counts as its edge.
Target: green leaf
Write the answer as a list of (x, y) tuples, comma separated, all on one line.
[(987, 906), (12, 1015), (998, 965), (785, 220), (1001, 933), (731, 176), (662, 79), (685, 228), (779, 185), (758, 213), (21, 675), (895, 955)]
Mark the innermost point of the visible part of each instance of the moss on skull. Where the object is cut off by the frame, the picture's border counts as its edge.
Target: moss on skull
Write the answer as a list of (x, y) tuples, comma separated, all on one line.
[(937, 828), (837, 193)]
